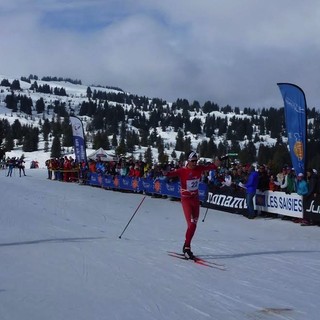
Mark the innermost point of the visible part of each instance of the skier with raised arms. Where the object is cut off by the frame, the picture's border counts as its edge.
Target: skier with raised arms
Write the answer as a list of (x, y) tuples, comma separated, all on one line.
[(190, 176)]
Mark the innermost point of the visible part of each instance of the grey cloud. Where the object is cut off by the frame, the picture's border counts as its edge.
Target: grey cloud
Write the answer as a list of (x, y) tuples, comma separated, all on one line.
[(228, 52)]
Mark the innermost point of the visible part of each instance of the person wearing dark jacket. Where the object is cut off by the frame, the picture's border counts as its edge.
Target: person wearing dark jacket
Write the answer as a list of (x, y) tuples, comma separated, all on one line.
[(312, 187), (312, 180), (251, 188), (263, 180), (21, 166)]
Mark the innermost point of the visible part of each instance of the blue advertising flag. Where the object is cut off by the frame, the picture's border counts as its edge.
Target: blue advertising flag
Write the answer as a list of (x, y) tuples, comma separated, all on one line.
[(295, 110), (78, 139)]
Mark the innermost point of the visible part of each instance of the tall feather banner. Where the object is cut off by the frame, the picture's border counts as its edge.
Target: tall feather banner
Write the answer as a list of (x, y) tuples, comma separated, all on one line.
[(295, 109), (78, 139)]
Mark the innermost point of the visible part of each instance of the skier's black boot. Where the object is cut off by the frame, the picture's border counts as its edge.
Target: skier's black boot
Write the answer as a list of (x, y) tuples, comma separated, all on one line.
[(187, 252)]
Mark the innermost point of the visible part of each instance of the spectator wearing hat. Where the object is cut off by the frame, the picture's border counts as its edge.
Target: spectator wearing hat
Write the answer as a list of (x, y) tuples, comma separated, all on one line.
[(288, 185)]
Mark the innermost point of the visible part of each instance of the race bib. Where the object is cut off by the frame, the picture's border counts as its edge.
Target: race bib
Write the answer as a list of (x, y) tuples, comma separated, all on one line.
[(193, 185)]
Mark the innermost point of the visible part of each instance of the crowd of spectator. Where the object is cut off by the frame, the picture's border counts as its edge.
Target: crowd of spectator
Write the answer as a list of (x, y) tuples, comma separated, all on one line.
[(63, 169), (228, 175)]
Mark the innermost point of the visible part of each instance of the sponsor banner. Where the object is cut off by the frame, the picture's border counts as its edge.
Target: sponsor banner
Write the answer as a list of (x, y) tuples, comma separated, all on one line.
[(125, 183), (171, 189), (203, 190), (226, 199), (280, 203), (78, 139), (147, 185), (108, 182), (295, 109), (94, 179), (312, 208)]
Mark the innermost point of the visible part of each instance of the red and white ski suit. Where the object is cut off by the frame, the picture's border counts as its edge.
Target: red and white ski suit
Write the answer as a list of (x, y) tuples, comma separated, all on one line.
[(189, 180)]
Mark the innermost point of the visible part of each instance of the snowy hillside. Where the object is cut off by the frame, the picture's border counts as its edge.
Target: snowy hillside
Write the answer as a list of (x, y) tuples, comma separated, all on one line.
[(77, 94), (61, 258)]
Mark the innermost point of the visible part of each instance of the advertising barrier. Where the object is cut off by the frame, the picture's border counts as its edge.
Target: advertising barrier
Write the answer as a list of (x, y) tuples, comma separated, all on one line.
[(227, 199), (280, 203)]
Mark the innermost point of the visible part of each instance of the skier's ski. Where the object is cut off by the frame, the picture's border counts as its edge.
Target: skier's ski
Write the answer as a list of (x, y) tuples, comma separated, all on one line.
[(198, 260)]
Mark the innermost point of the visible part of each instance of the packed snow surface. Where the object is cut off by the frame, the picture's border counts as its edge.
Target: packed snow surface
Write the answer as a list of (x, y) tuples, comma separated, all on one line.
[(62, 258)]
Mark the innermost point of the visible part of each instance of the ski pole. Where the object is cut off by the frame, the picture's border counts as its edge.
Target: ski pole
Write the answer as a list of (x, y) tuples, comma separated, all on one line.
[(205, 214), (132, 217)]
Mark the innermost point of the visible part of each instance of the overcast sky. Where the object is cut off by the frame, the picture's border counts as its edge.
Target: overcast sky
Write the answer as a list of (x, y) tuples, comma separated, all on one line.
[(226, 51)]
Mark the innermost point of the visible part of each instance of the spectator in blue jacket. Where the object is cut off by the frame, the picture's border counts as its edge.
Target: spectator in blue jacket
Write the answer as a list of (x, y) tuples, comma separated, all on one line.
[(302, 185), (251, 189)]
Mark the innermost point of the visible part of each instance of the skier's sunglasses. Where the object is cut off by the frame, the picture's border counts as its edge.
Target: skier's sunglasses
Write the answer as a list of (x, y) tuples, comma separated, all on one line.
[(194, 160)]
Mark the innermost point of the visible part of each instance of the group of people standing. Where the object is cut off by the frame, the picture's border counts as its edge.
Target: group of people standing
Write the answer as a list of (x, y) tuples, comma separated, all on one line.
[(63, 169), (14, 162), (289, 182)]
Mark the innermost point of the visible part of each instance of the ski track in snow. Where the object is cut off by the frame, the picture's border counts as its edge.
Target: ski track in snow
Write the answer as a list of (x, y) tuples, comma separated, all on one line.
[(61, 258)]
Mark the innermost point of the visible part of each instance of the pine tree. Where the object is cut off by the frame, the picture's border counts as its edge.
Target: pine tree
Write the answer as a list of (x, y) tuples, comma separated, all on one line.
[(46, 129), (114, 141), (89, 93), (5, 83), (162, 157), (196, 126), (46, 146), (144, 134), (11, 102), (179, 141), (56, 148), (187, 145), (9, 142), (26, 104), (122, 148), (30, 140), (15, 85), (248, 153), (212, 149), (40, 106), (148, 156), (67, 140), (17, 132)]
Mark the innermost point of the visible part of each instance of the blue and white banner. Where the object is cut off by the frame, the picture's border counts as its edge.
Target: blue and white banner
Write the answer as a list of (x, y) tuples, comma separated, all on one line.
[(78, 139), (222, 199), (295, 109), (277, 202)]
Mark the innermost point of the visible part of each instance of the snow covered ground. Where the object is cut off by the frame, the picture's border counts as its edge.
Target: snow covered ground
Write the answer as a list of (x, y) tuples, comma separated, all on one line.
[(61, 258)]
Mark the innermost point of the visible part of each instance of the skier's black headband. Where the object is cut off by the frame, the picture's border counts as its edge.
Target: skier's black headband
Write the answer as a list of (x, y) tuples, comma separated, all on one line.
[(192, 155)]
